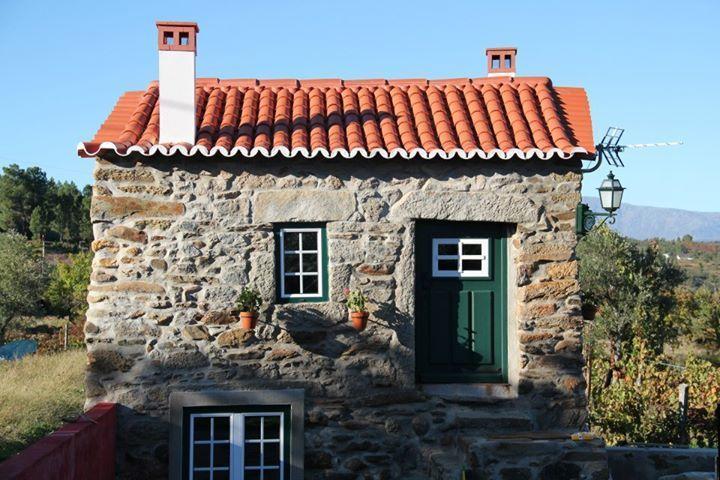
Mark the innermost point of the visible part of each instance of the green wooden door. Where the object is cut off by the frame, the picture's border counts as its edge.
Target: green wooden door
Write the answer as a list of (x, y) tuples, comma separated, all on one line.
[(460, 302)]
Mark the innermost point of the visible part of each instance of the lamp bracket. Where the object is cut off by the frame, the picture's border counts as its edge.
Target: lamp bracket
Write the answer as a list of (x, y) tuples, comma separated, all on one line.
[(586, 219)]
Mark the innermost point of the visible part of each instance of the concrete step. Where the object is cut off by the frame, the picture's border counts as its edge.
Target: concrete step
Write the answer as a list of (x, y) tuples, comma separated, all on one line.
[(492, 421), (690, 476)]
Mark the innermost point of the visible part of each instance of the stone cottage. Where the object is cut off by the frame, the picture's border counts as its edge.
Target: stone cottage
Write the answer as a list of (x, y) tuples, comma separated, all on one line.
[(449, 203)]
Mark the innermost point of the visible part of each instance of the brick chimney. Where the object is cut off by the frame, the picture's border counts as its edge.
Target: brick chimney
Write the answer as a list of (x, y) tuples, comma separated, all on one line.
[(501, 61), (177, 47)]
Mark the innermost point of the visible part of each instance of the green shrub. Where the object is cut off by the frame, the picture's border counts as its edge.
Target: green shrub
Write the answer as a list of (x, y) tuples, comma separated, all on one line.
[(641, 405)]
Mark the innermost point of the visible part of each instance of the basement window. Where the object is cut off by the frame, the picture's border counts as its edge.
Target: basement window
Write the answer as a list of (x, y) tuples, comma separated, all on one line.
[(228, 445), (302, 262), (237, 435)]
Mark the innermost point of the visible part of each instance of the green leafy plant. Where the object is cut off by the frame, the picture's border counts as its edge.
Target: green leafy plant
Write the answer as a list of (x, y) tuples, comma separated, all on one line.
[(22, 280), (249, 300), (67, 292), (356, 301)]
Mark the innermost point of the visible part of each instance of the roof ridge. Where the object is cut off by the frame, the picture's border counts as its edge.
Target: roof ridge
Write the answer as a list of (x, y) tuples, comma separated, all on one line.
[(362, 82)]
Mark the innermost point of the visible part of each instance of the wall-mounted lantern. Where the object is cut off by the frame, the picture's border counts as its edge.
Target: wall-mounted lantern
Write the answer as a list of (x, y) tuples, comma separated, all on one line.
[(610, 192)]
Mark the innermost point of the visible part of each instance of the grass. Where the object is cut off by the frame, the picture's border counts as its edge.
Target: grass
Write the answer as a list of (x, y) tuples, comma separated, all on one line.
[(38, 394)]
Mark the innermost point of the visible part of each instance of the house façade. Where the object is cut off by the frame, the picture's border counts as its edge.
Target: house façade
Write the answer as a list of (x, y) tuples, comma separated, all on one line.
[(449, 203)]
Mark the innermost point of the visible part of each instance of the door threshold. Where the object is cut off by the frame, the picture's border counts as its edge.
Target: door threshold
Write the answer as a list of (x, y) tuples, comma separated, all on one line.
[(471, 391)]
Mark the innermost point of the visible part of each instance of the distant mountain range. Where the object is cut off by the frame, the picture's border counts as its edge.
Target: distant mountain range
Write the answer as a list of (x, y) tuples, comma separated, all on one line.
[(642, 222)]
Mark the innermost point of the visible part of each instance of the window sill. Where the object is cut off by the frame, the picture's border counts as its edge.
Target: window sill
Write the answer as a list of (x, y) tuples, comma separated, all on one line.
[(472, 391)]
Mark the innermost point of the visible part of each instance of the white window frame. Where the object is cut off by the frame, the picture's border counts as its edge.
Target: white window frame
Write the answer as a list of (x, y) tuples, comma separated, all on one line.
[(484, 272), (300, 252), (237, 443)]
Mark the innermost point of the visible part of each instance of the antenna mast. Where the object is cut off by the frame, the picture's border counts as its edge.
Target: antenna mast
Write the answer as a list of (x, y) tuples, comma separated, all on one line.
[(610, 149)]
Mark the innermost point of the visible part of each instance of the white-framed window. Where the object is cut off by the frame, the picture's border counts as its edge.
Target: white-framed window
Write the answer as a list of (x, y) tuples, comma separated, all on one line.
[(237, 446), (461, 257), (301, 262)]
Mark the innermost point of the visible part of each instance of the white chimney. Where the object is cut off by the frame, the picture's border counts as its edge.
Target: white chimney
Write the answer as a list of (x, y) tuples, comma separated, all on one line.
[(501, 61), (177, 47)]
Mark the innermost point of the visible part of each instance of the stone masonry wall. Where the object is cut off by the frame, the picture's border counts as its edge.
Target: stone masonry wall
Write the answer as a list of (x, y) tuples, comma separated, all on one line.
[(175, 241)]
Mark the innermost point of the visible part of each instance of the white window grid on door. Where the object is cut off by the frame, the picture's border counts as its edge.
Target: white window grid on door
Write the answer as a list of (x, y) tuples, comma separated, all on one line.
[(461, 257), (237, 441), (301, 252)]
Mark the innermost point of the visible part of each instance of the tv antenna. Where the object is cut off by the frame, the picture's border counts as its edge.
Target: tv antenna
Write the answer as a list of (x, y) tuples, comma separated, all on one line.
[(609, 149)]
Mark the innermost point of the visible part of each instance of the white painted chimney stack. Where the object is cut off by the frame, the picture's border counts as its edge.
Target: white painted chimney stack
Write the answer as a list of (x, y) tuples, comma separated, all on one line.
[(177, 47)]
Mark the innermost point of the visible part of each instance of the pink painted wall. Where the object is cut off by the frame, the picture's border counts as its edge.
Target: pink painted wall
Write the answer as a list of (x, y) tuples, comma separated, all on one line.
[(79, 450)]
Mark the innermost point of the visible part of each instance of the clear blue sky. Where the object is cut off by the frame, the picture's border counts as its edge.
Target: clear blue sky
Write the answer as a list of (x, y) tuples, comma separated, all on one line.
[(648, 66)]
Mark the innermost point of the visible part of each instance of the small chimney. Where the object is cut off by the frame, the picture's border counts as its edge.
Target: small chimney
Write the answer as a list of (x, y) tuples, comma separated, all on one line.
[(177, 46), (501, 61)]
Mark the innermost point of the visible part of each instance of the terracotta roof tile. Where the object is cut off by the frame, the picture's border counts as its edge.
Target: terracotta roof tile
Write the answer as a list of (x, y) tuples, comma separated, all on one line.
[(499, 117)]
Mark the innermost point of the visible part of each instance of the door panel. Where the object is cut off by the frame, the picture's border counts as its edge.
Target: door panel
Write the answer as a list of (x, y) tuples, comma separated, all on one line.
[(460, 302)]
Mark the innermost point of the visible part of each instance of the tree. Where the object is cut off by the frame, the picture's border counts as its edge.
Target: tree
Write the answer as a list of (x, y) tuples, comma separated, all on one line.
[(21, 191), (633, 289), (66, 294), (22, 280), (86, 232), (698, 316), (67, 211), (40, 222)]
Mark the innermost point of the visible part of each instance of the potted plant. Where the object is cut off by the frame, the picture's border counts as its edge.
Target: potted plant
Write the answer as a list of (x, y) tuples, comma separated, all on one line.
[(358, 311), (248, 302)]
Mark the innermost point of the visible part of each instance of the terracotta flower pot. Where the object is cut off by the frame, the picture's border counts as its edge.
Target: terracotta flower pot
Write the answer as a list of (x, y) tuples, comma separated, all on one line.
[(248, 320), (588, 311), (359, 320)]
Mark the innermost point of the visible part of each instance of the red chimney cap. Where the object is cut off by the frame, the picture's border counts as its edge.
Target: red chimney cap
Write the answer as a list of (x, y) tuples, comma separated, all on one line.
[(500, 49), (501, 61), (177, 36), (161, 23)]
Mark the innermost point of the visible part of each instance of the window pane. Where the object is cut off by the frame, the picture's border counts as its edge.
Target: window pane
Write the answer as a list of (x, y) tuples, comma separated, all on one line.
[(221, 428), (292, 262), (202, 428), (223, 475), (252, 454), (272, 474), (272, 427), (448, 265), (310, 284), (201, 475), (201, 455), (310, 263), (292, 240), (472, 249), (309, 241), (292, 285), (252, 428), (252, 475), (447, 249), (221, 455), (472, 265), (272, 454)]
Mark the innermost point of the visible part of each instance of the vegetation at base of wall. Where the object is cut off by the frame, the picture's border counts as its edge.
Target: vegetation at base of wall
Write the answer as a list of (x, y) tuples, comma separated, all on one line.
[(37, 394), (641, 404), (652, 332)]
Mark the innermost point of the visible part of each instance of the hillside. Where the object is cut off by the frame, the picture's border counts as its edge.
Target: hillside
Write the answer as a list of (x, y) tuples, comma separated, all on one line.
[(641, 222)]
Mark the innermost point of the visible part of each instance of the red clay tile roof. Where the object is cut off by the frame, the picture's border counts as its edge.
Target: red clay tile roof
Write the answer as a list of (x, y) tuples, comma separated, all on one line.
[(466, 118)]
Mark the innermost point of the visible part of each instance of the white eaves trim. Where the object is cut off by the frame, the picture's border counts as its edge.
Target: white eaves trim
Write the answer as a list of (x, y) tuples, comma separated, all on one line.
[(191, 151)]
